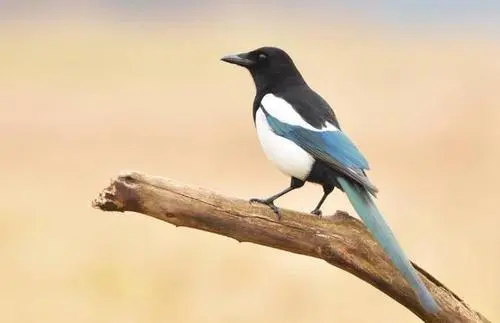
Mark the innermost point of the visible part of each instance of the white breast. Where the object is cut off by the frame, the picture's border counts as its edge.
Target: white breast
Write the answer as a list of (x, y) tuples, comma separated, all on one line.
[(286, 155)]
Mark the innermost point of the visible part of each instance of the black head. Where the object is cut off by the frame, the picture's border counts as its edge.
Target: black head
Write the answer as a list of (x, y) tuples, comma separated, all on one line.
[(270, 67)]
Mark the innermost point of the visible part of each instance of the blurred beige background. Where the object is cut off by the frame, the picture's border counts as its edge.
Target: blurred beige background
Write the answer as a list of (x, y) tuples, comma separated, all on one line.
[(82, 99)]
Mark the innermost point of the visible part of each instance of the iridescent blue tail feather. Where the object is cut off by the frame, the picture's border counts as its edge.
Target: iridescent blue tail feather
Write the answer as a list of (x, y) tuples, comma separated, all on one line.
[(373, 219)]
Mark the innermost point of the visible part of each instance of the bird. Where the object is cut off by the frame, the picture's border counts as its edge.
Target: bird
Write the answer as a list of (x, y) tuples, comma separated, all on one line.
[(300, 134)]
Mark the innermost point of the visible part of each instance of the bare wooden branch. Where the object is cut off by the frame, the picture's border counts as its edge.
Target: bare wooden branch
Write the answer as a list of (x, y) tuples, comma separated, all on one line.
[(340, 240)]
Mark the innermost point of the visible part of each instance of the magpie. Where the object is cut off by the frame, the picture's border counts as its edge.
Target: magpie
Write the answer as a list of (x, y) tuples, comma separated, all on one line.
[(299, 132)]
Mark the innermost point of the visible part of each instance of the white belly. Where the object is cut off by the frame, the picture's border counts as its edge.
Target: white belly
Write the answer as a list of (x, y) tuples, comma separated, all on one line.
[(287, 156)]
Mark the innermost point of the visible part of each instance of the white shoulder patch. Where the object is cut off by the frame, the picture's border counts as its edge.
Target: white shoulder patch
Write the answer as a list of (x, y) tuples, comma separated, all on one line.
[(283, 111)]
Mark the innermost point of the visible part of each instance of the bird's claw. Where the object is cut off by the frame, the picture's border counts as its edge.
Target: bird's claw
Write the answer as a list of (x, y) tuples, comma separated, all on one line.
[(317, 212), (269, 203)]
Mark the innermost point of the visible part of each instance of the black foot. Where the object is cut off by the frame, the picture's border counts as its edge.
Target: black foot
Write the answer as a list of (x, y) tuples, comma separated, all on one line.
[(269, 203), (317, 212)]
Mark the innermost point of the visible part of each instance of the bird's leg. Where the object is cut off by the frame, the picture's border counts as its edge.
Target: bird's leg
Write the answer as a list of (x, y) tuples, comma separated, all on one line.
[(327, 190), (294, 184)]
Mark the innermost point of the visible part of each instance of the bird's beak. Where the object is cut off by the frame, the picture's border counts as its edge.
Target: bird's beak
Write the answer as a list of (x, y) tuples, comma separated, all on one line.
[(238, 59)]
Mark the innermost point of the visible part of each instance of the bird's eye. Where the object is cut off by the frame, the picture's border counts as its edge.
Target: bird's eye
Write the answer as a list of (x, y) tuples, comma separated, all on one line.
[(262, 57)]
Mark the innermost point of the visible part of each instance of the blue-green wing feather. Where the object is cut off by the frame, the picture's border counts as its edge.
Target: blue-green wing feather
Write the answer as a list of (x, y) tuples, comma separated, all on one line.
[(332, 147)]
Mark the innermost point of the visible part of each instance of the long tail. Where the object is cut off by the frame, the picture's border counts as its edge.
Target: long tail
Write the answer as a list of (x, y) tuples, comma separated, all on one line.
[(367, 210)]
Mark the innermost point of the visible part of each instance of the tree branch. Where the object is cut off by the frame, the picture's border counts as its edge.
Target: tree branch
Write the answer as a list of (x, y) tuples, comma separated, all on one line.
[(340, 240)]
